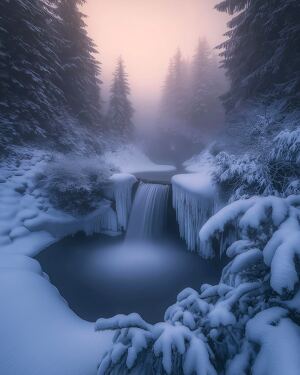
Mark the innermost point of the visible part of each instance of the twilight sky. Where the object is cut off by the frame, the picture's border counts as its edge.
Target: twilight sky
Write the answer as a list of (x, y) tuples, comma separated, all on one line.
[(147, 33)]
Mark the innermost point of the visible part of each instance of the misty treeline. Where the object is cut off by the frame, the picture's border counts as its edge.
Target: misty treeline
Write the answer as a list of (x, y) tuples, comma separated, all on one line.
[(190, 100), (50, 79), (49, 76), (261, 59)]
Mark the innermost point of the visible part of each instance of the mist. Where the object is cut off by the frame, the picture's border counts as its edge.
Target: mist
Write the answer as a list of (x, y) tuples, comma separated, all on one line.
[(147, 34)]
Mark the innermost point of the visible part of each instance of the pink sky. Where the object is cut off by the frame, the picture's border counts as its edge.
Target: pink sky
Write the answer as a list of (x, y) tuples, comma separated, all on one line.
[(147, 33)]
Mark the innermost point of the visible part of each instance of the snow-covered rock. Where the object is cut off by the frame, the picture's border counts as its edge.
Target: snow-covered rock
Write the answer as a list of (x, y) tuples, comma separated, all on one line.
[(195, 200)]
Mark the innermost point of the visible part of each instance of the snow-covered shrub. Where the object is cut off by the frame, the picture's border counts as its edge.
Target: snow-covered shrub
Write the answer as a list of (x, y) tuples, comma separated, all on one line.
[(247, 324), (162, 348), (74, 184), (238, 177), (271, 170), (282, 164)]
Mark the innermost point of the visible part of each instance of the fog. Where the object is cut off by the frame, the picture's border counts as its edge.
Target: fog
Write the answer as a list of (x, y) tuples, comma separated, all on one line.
[(147, 33)]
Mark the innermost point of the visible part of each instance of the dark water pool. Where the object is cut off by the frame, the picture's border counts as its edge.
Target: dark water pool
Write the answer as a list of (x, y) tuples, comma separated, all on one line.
[(101, 276)]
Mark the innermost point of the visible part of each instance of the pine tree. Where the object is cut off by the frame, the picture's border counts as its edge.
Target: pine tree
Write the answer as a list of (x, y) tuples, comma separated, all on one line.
[(262, 53), (120, 112), (80, 69), (200, 82), (206, 84), (174, 100), (29, 98)]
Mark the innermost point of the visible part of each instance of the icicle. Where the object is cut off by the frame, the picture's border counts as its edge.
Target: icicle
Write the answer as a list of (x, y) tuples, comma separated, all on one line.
[(192, 211), (101, 221), (123, 184)]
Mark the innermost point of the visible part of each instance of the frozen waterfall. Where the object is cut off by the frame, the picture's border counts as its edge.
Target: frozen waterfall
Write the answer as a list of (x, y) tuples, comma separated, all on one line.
[(195, 200), (149, 211)]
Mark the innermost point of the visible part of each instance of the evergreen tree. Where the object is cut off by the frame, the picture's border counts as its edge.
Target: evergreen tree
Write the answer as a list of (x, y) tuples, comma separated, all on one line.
[(29, 98), (120, 112), (200, 82), (80, 70), (262, 53), (206, 84), (174, 100)]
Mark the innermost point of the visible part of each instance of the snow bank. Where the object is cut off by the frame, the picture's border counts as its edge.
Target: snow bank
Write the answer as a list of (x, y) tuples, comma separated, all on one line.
[(28, 222), (194, 199), (129, 159), (39, 333)]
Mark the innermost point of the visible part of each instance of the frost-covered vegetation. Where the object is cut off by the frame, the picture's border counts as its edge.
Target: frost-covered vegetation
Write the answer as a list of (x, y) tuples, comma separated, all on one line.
[(248, 323), (75, 184), (272, 169)]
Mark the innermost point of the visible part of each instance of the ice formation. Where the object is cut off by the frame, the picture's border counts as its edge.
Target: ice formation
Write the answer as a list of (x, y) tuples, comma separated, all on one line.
[(122, 189), (195, 200)]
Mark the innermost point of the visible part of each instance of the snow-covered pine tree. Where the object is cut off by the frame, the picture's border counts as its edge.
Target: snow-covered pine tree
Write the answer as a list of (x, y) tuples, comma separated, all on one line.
[(80, 69), (262, 53), (120, 111), (29, 98)]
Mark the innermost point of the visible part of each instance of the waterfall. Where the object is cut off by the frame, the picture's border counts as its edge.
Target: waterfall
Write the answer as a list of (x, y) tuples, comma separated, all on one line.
[(149, 211)]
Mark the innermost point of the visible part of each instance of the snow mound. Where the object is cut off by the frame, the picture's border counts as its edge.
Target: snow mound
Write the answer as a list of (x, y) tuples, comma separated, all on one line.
[(195, 200)]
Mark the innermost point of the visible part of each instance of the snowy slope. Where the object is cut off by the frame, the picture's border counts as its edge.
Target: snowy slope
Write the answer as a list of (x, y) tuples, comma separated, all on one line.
[(39, 333), (201, 163), (28, 222)]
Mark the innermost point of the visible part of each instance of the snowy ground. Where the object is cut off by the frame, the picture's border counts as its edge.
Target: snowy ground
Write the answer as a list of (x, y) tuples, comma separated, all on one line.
[(39, 334), (201, 163), (28, 222), (130, 159)]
